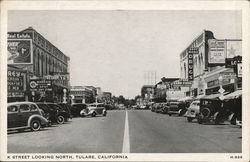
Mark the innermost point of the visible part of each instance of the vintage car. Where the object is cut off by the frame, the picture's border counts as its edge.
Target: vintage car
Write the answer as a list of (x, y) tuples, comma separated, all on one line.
[(93, 110), (158, 108), (23, 115), (173, 108), (193, 110), (233, 101), (213, 110), (76, 108), (165, 108), (62, 115)]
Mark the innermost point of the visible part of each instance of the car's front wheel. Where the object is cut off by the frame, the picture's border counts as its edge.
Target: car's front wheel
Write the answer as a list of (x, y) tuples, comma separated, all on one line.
[(35, 125), (60, 119)]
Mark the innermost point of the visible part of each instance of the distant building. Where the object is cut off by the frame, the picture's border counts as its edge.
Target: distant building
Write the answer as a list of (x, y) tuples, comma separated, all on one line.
[(81, 94), (161, 88)]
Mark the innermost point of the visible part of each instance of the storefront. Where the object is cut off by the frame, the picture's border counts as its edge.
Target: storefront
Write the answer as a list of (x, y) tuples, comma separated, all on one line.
[(224, 77), (17, 84)]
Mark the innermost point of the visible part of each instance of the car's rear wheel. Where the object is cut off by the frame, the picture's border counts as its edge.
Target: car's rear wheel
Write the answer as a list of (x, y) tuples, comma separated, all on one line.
[(35, 125), (60, 119), (104, 113)]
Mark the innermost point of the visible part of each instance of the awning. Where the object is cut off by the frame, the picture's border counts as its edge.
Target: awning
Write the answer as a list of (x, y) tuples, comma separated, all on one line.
[(213, 96), (233, 95), (199, 97), (185, 99)]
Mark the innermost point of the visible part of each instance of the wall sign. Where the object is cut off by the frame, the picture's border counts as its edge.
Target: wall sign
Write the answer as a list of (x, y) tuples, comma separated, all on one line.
[(216, 54), (190, 67), (16, 83)]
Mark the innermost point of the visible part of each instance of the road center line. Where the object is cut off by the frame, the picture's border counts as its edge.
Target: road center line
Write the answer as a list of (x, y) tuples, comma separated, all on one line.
[(126, 142)]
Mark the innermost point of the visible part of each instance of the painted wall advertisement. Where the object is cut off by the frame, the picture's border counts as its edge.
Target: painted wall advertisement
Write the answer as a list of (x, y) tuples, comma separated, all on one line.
[(19, 51), (16, 83), (216, 54)]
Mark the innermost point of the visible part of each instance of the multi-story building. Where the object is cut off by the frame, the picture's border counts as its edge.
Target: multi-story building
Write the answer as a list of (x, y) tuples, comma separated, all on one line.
[(161, 88), (203, 62), (81, 94), (29, 50)]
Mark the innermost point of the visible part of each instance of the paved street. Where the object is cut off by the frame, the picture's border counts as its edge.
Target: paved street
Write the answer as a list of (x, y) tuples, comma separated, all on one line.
[(146, 132)]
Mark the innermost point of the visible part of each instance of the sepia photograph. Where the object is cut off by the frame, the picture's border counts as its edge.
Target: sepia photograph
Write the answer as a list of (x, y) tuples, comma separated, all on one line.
[(110, 84)]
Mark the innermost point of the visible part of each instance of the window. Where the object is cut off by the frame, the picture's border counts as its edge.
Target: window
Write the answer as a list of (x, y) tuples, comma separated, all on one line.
[(24, 108), (33, 107), (12, 109)]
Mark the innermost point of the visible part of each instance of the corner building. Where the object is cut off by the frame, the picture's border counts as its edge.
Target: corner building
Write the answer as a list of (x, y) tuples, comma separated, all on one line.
[(204, 61), (47, 62)]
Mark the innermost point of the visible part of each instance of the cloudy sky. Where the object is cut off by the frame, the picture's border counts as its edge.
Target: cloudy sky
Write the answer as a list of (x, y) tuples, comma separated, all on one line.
[(114, 49)]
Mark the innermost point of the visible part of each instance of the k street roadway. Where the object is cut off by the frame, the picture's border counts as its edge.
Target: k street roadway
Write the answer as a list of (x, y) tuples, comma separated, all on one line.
[(131, 131)]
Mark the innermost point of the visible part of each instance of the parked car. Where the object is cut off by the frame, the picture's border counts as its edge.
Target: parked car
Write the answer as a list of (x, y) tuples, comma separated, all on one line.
[(193, 110), (76, 108), (93, 110), (165, 108), (233, 101), (173, 108), (50, 114), (212, 110), (66, 107), (23, 115), (158, 108), (62, 115)]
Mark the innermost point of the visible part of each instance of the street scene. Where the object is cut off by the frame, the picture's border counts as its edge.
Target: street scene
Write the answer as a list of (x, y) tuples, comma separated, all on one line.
[(152, 133), (124, 82)]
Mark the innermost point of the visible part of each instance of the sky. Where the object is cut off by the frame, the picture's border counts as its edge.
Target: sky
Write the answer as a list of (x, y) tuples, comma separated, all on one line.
[(113, 49)]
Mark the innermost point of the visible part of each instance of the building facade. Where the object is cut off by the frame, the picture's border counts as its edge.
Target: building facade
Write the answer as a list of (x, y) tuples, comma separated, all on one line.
[(203, 63), (82, 94), (29, 50)]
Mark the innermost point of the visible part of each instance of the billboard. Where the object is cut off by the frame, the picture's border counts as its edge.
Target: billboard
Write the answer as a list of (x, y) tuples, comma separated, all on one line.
[(234, 48), (16, 83), (216, 53), (20, 51)]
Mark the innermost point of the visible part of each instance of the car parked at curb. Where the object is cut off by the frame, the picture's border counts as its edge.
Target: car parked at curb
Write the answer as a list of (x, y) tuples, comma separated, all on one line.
[(193, 110), (173, 108), (76, 108), (62, 115), (22, 115)]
